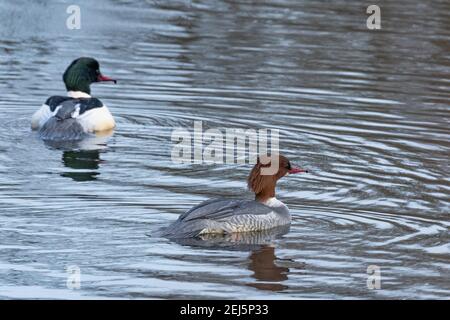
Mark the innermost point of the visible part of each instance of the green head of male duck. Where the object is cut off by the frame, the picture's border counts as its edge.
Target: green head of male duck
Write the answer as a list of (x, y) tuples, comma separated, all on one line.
[(81, 73)]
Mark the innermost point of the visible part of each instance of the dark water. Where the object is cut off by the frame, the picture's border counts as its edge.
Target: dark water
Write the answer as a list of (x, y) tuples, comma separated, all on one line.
[(366, 111)]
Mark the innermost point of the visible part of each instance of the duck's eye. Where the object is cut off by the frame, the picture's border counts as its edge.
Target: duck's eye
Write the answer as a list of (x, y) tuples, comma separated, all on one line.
[(288, 166)]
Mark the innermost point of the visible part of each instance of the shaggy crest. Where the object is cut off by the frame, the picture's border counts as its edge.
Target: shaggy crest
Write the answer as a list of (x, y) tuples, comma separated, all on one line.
[(264, 185)]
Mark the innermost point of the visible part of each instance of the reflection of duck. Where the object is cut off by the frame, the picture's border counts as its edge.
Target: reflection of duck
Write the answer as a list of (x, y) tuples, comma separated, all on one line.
[(83, 156), (262, 254), (265, 270), (86, 160)]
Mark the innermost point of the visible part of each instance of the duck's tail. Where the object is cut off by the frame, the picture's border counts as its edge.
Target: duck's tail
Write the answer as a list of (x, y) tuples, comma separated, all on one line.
[(63, 126), (184, 229)]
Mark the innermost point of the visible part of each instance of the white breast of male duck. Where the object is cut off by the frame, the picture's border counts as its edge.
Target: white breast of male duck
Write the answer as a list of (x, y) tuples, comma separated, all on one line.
[(89, 112)]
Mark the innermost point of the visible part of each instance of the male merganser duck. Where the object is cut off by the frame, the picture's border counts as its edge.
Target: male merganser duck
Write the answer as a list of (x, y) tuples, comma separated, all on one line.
[(221, 216), (72, 117)]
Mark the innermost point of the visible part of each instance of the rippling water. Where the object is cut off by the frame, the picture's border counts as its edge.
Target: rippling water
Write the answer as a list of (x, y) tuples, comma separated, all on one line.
[(366, 111)]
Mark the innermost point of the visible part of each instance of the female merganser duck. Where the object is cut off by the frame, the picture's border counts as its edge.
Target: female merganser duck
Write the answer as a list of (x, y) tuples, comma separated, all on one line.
[(72, 117), (220, 216)]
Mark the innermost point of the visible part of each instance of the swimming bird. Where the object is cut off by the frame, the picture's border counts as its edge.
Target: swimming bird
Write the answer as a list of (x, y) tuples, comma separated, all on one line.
[(73, 116), (225, 216)]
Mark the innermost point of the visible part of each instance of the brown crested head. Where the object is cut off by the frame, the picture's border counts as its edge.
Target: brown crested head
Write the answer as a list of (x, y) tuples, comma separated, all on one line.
[(265, 174)]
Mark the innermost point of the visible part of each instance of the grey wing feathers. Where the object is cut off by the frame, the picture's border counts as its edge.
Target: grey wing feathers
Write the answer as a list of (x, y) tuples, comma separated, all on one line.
[(66, 110), (181, 229), (58, 130), (208, 213), (62, 126), (218, 209)]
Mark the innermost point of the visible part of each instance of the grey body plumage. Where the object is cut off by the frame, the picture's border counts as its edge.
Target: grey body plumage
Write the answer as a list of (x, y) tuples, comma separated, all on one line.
[(243, 241), (227, 216), (63, 125)]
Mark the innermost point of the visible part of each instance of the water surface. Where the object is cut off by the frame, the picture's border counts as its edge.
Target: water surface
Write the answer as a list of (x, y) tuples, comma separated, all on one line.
[(367, 112)]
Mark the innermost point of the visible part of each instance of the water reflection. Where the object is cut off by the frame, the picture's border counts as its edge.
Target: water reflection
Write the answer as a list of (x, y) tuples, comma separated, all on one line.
[(266, 272), (86, 164), (82, 157)]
